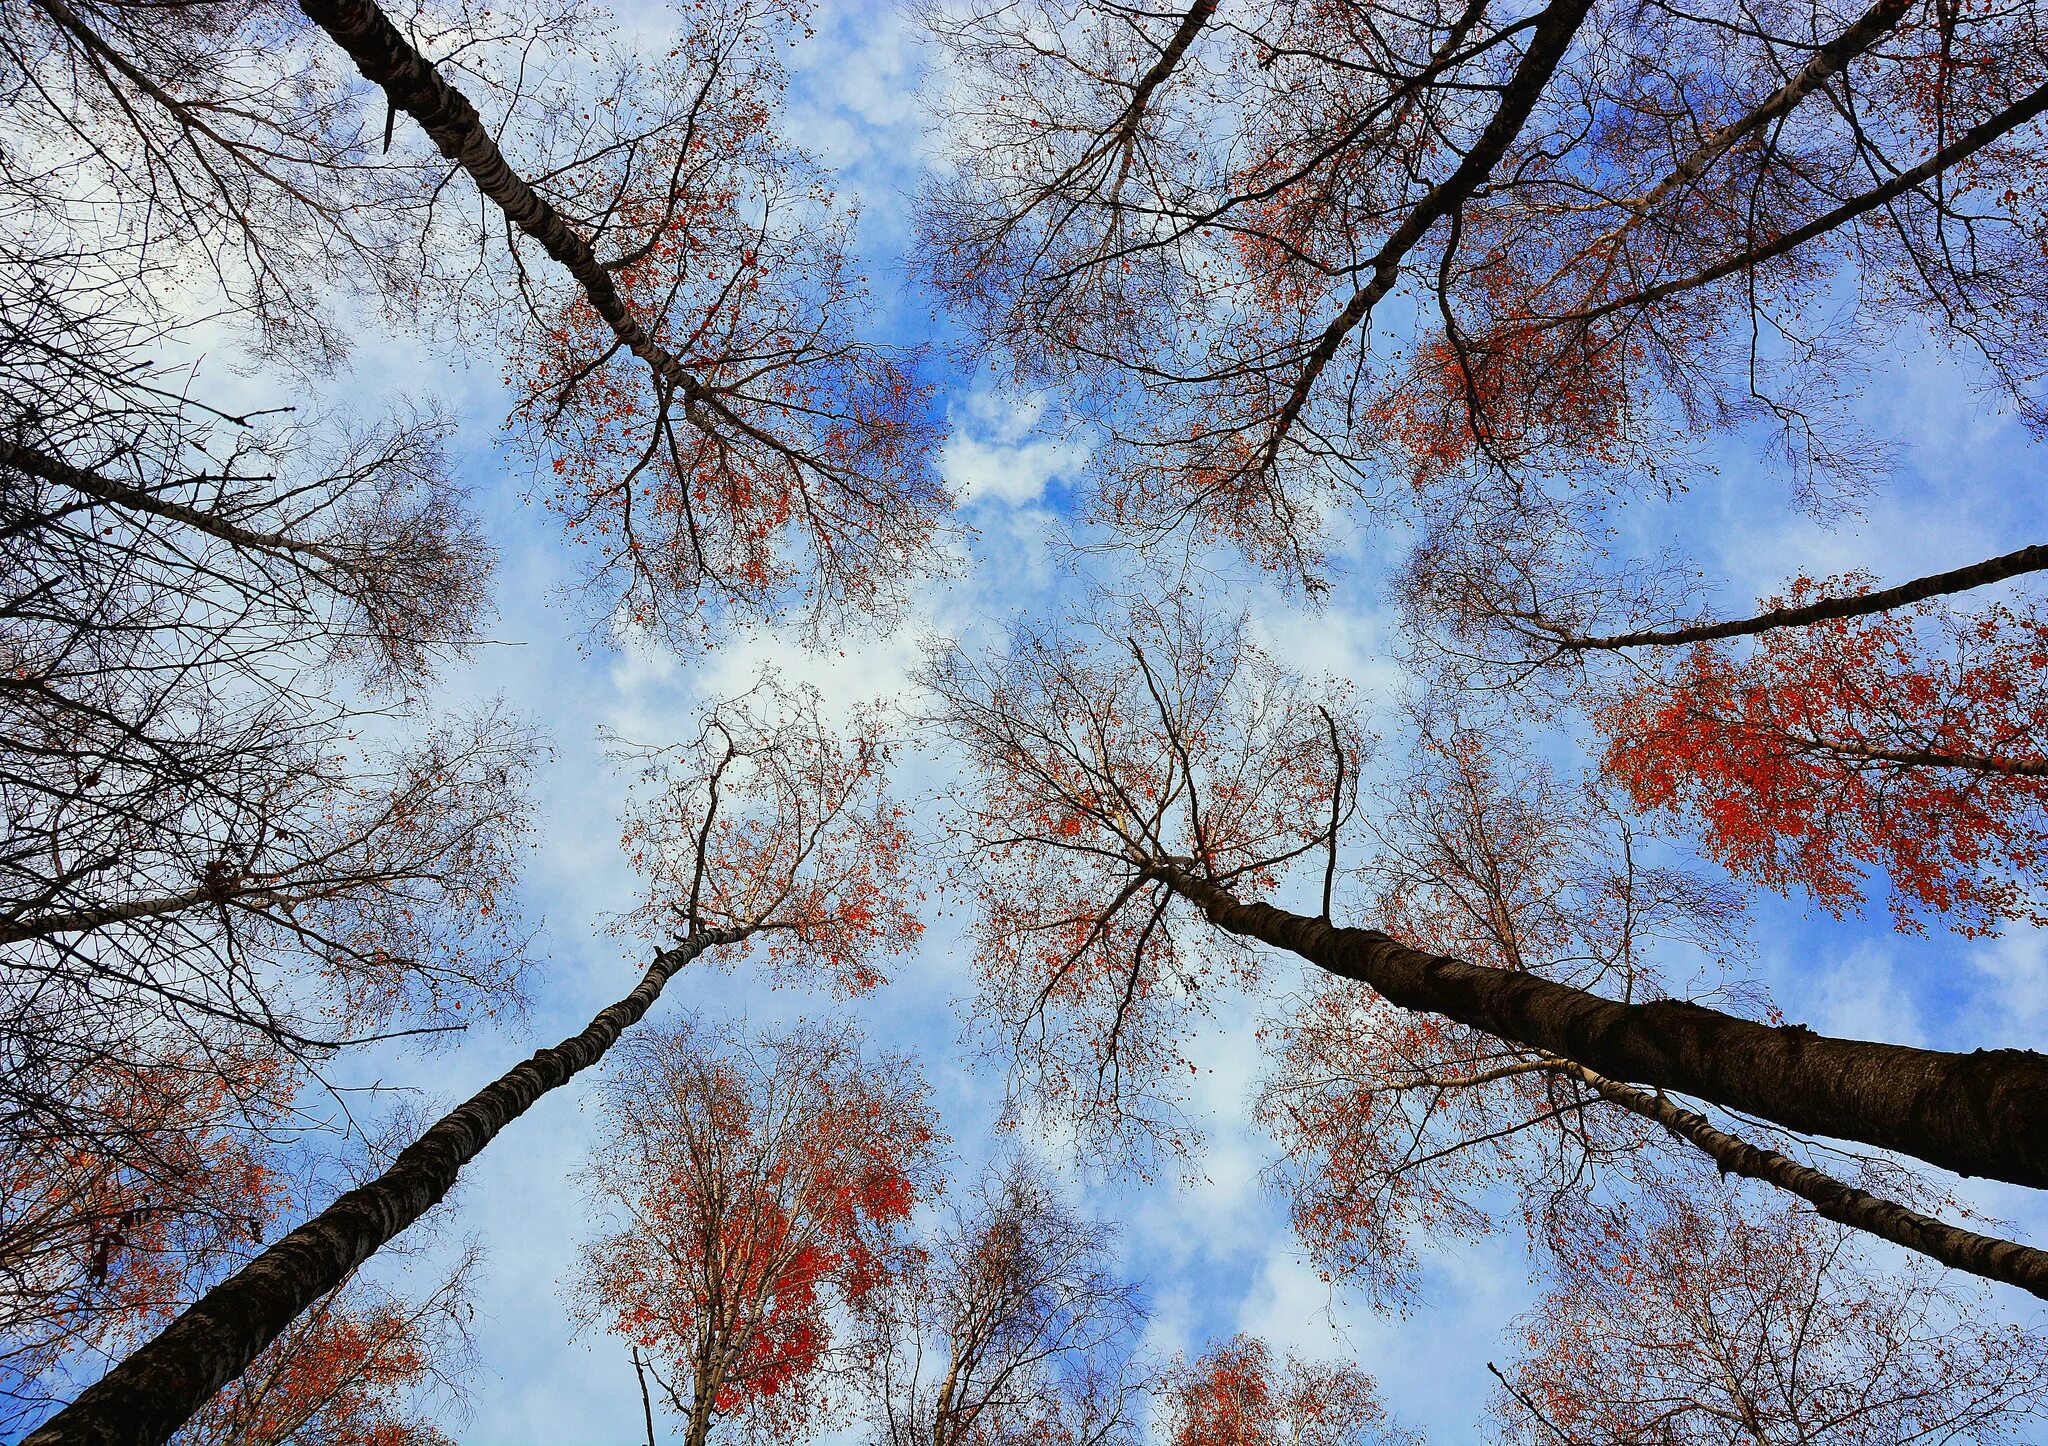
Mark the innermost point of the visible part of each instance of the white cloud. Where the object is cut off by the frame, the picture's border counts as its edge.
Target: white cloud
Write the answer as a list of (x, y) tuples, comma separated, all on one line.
[(994, 452), (1862, 998), (2016, 968)]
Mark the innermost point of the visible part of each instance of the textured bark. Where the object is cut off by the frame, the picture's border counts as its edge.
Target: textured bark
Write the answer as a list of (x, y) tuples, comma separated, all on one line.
[(1983, 1113), (1985, 1255), (386, 58), (79, 921), (137, 499), (1959, 579), (148, 1396), (1191, 25)]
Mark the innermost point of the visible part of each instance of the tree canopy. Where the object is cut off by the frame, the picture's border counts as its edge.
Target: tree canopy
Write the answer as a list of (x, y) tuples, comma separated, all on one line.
[(1325, 722)]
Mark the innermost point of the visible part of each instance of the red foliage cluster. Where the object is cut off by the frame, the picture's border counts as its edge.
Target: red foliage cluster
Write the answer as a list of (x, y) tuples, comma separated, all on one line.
[(1909, 744), (759, 1188), (340, 1376), (1234, 1395), (159, 1174)]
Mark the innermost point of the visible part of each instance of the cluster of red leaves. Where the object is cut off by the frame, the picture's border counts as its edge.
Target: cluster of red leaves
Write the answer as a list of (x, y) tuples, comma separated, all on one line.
[(338, 1377), (1910, 744), (1233, 1395), (760, 1191), (1506, 393)]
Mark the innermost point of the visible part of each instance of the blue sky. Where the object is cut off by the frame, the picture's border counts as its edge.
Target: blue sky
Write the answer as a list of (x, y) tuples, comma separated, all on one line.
[(1216, 1252)]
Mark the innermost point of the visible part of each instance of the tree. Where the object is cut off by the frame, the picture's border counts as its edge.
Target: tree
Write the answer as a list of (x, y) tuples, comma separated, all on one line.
[(1619, 230), (1395, 1123), (206, 621), (772, 459), (753, 1191), (1234, 1395), (1616, 227), (1067, 739), (766, 445), (764, 848), (1485, 274), (1085, 760), (1011, 1326), (206, 848), (1695, 1316)]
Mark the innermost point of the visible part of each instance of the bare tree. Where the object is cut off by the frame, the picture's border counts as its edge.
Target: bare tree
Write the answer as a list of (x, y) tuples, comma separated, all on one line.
[(1688, 1319), (1011, 1326), (234, 841)]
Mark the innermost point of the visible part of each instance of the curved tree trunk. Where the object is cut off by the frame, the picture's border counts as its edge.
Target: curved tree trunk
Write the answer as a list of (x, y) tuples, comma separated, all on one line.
[(158, 1388), (1983, 1113)]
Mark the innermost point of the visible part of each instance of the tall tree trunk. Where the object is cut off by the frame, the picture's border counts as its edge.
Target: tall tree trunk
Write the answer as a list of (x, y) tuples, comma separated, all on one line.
[(1953, 1246), (412, 84), (158, 1388), (1983, 1113)]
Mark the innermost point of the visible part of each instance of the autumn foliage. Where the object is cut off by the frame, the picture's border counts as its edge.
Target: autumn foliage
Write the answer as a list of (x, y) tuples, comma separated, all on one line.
[(1234, 1394), (1905, 745), (148, 1175), (362, 1368), (752, 1190), (1319, 282), (775, 460)]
